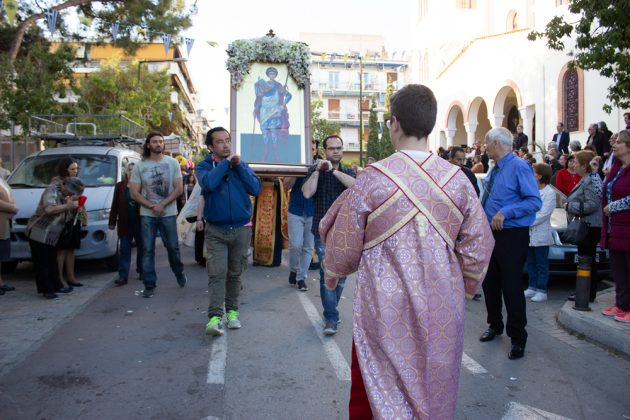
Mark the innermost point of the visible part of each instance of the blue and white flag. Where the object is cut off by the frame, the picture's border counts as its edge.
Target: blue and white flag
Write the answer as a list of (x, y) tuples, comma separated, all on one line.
[(166, 39), (115, 28), (332, 57), (51, 19), (189, 44)]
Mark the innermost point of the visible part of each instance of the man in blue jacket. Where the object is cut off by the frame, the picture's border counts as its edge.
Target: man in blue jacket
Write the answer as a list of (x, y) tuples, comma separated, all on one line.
[(226, 184)]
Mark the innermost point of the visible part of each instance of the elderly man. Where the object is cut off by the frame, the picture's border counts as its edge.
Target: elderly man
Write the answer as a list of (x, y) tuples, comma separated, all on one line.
[(510, 200)]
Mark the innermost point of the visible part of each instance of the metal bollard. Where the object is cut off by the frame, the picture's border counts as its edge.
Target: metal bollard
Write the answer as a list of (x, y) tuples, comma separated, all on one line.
[(583, 284)]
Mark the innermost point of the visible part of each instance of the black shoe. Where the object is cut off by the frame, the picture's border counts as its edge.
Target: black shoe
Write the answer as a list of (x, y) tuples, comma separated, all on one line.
[(292, 276), (477, 296), (147, 293), (516, 352), (121, 281), (1, 292), (65, 290), (571, 297), (301, 285), (50, 295), (314, 266), (77, 284), (7, 288), (182, 279), (489, 335)]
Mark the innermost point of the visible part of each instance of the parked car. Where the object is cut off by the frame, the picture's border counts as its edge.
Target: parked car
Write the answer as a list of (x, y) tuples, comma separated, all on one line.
[(562, 257), (101, 167)]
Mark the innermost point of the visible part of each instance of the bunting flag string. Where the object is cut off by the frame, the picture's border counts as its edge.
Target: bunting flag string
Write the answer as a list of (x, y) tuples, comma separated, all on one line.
[(166, 39), (189, 44), (332, 57), (51, 19), (115, 28)]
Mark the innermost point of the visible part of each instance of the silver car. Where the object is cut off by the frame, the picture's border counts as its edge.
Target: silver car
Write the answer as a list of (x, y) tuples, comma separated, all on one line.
[(100, 168), (562, 257)]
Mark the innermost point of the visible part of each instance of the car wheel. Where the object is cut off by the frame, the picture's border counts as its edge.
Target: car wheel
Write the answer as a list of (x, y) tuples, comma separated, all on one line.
[(8, 267)]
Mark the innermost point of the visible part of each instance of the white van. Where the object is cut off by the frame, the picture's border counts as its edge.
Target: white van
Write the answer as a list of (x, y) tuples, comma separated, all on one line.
[(100, 168)]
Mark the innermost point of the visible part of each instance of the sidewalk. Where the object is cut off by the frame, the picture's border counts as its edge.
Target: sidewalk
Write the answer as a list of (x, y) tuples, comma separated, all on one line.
[(596, 327), (27, 319)]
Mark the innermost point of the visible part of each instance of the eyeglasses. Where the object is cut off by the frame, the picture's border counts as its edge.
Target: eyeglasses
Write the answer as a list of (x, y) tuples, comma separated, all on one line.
[(334, 149)]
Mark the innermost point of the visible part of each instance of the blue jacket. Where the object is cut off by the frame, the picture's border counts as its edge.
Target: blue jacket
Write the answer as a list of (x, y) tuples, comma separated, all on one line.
[(226, 192)]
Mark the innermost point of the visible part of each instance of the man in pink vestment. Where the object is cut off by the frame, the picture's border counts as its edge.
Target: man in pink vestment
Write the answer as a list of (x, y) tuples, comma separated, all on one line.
[(414, 229)]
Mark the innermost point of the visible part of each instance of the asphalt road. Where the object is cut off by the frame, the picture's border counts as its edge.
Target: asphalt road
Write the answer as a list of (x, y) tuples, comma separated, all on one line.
[(116, 355)]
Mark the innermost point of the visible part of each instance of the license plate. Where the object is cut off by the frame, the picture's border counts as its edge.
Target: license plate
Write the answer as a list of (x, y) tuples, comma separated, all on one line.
[(575, 257)]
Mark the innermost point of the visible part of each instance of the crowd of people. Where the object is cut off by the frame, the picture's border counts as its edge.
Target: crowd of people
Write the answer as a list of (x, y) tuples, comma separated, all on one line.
[(414, 226)]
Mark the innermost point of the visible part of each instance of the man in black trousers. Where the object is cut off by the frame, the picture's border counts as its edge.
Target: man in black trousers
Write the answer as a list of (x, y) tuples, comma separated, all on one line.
[(510, 200)]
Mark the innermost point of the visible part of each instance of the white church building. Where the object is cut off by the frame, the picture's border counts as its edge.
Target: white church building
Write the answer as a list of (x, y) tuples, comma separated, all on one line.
[(475, 56)]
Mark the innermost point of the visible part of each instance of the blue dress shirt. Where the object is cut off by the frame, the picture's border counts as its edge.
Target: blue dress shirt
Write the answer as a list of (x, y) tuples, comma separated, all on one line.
[(514, 192)]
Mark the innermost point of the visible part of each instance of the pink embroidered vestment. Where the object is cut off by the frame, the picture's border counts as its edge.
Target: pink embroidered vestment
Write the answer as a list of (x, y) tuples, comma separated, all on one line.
[(420, 241)]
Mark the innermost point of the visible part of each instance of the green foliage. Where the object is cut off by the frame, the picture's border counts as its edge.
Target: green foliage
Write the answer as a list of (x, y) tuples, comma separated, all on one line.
[(373, 148), (116, 89), (320, 127), (387, 148), (31, 90), (602, 43)]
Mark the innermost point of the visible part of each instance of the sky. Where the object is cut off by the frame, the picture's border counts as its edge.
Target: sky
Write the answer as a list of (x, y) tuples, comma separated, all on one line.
[(227, 20)]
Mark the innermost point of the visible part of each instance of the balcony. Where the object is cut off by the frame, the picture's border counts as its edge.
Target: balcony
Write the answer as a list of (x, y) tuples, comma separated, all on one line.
[(349, 118), (351, 89)]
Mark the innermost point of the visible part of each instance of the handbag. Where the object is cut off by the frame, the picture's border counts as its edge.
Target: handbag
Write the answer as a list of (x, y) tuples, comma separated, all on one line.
[(577, 229), (70, 237)]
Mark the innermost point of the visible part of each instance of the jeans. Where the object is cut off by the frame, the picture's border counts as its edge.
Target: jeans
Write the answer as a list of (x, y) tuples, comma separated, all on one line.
[(226, 260), (538, 267), (301, 243), (124, 261), (168, 233), (330, 298)]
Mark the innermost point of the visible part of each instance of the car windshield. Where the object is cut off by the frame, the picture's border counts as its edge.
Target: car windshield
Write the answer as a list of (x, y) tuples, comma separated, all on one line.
[(38, 171)]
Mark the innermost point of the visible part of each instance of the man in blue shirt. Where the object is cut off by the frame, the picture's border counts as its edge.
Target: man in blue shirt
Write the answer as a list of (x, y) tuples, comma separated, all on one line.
[(510, 200), (300, 221), (226, 183)]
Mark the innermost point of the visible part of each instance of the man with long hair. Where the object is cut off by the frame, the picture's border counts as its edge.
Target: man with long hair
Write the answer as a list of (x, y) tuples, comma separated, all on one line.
[(155, 184)]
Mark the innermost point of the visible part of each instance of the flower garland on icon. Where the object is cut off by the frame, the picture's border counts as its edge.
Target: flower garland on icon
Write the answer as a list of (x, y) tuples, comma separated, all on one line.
[(268, 49)]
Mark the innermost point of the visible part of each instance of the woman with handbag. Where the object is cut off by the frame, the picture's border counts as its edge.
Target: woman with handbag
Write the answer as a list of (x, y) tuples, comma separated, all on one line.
[(584, 203), (71, 235), (616, 226), (44, 230), (126, 214)]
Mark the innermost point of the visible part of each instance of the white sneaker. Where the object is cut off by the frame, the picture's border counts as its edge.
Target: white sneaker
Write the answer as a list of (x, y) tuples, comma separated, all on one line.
[(539, 297), (529, 293)]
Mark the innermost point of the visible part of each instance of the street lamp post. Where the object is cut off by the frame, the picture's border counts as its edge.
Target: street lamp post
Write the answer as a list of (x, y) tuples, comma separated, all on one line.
[(167, 60), (360, 111)]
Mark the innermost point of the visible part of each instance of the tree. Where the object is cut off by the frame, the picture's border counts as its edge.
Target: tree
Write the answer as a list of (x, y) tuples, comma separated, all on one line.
[(139, 20), (387, 148), (373, 148), (43, 76), (320, 127), (116, 88), (602, 42)]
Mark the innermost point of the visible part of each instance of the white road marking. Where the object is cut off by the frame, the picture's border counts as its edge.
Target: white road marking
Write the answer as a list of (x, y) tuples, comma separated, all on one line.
[(472, 366), (216, 365), (516, 411), (341, 367)]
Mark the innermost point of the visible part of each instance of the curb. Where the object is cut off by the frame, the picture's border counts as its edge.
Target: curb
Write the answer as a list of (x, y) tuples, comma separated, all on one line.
[(596, 327)]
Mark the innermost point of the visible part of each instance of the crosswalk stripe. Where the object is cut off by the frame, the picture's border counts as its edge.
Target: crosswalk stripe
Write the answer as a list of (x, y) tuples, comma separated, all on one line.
[(341, 367), (472, 366), (516, 411)]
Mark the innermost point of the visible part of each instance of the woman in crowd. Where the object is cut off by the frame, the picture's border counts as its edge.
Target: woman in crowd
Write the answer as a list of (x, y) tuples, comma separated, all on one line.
[(585, 202), (7, 211), (611, 156), (68, 168), (540, 237), (126, 214), (58, 202), (477, 167), (567, 178), (616, 227), (574, 146)]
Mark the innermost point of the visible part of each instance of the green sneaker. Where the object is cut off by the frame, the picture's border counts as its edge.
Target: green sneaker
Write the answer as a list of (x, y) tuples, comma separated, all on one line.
[(232, 320), (214, 326)]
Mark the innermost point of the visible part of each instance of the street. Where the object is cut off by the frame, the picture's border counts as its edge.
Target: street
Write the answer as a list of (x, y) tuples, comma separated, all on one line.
[(116, 355)]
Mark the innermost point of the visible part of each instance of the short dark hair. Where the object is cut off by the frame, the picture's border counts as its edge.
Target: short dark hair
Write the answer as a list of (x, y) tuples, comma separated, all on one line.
[(455, 150), (146, 152), (415, 108), (210, 132), (334, 136), (561, 124), (63, 165)]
